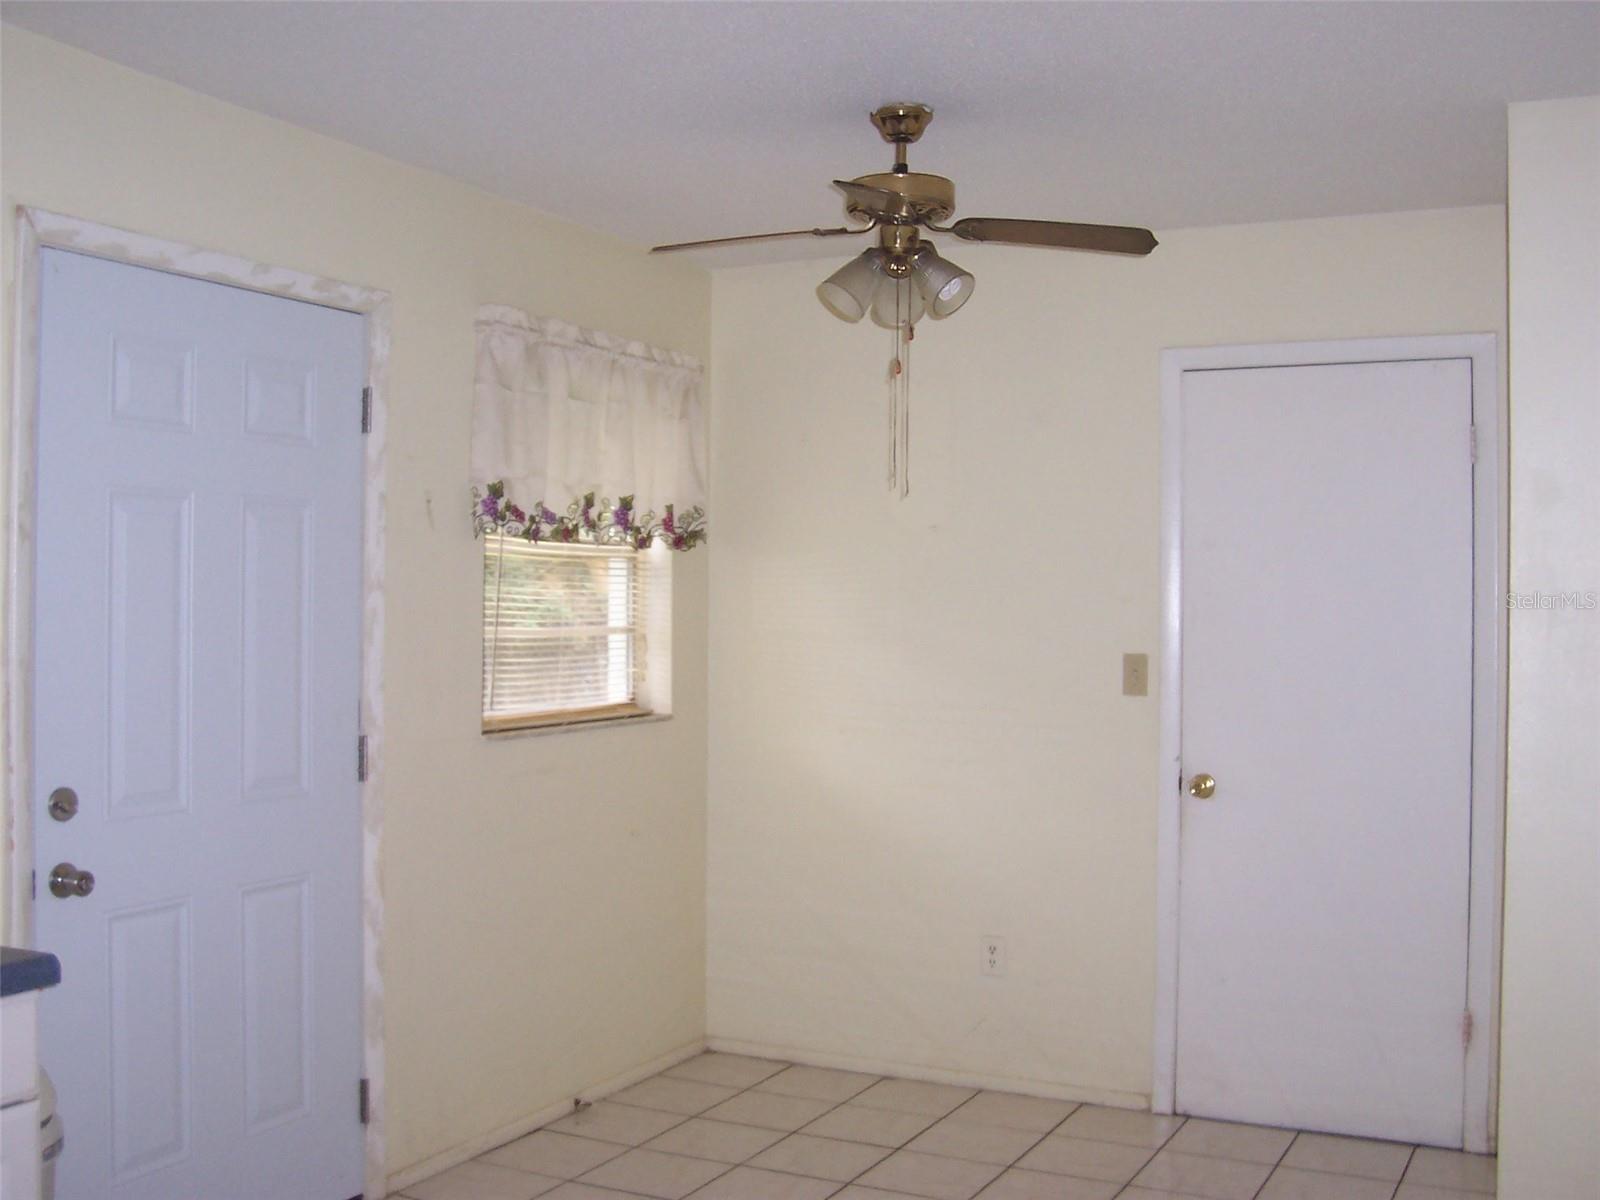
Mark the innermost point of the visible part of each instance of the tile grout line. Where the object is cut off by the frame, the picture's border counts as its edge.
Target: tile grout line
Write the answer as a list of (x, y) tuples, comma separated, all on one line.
[(786, 1134), (892, 1150), (1299, 1133), (1012, 1165), (625, 1148), (1054, 1129), (1255, 1195), (1164, 1143), (840, 1104), (1296, 1134), (1406, 1170), (905, 1145), (731, 1167)]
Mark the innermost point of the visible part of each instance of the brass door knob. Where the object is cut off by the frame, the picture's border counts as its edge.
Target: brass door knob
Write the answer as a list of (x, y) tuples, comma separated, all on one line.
[(66, 880), (1202, 786)]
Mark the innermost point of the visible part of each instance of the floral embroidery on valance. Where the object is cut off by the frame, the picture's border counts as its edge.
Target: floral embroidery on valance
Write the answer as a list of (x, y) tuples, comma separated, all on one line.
[(588, 520)]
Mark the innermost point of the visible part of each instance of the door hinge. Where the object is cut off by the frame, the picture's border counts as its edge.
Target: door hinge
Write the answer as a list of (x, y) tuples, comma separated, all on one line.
[(33, 885), (364, 1093), (361, 758), (1466, 1028), (1472, 442), (366, 410)]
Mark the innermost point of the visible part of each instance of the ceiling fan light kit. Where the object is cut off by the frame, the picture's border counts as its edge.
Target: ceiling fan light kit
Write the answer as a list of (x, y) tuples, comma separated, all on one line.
[(904, 278)]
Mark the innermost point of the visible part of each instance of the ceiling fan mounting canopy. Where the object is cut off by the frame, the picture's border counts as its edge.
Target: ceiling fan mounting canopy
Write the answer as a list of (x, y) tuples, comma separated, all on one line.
[(902, 122)]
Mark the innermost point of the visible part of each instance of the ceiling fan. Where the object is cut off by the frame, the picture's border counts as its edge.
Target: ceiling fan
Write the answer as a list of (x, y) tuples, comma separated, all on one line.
[(903, 276)]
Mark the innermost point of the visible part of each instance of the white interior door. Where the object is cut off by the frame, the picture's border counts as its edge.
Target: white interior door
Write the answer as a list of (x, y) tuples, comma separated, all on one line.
[(197, 655), (1327, 567)]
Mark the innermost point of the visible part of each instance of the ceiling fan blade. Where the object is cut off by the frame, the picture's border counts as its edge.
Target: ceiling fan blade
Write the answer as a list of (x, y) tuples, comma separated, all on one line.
[(761, 237), (1108, 239), (870, 199)]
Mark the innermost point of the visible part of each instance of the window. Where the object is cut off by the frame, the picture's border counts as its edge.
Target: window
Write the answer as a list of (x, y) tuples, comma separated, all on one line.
[(563, 633)]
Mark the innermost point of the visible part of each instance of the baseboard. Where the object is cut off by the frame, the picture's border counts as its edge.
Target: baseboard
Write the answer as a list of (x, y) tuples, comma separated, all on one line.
[(457, 1155), (906, 1070)]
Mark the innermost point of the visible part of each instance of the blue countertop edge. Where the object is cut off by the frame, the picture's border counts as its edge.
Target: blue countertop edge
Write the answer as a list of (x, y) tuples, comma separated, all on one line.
[(27, 970)]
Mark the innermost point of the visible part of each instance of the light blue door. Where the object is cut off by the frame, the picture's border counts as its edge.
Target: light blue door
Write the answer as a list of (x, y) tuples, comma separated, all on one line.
[(197, 665)]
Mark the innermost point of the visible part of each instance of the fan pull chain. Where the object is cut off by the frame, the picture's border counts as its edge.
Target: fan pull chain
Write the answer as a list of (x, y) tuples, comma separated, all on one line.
[(900, 403), (896, 368), (904, 454)]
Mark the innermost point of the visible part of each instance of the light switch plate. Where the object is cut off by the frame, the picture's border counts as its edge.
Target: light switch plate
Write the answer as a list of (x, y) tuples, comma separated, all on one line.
[(1135, 674)]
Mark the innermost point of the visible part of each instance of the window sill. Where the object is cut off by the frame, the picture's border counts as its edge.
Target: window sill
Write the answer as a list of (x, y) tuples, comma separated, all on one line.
[(569, 723)]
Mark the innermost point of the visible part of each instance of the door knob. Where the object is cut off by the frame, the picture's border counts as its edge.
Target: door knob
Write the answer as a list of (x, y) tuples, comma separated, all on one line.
[(1202, 786), (66, 880)]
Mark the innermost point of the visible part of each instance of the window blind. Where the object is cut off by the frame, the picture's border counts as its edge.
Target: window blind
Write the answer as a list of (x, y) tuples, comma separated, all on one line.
[(562, 629)]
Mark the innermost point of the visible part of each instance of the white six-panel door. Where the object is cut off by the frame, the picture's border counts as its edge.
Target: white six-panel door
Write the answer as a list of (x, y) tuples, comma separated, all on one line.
[(197, 654), (1327, 676)]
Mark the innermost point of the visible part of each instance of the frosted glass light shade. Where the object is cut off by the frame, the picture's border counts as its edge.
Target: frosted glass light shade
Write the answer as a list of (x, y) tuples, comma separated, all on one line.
[(897, 303), (945, 286), (848, 292)]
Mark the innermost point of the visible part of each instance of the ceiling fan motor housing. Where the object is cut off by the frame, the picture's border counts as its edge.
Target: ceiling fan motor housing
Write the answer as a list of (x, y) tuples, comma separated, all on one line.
[(922, 198)]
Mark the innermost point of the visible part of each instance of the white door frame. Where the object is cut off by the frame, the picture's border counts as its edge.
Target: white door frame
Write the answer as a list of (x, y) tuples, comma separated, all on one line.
[(38, 229), (1488, 687)]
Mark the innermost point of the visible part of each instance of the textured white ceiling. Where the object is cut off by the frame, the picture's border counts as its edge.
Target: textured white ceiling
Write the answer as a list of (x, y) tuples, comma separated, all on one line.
[(662, 122)]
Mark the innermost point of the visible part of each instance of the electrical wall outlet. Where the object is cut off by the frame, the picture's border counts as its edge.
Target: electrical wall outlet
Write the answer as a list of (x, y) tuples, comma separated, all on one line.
[(992, 959), (1135, 674)]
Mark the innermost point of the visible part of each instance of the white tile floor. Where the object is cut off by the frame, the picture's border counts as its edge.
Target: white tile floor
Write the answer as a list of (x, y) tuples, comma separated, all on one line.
[(725, 1127)]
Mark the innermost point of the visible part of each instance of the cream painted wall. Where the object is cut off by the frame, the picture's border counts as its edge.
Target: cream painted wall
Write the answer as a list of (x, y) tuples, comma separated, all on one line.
[(545, 895), (917, 734), (1550, 1034)]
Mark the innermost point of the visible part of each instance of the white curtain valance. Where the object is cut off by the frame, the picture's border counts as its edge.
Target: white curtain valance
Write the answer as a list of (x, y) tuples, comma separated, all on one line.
[(585, 436)]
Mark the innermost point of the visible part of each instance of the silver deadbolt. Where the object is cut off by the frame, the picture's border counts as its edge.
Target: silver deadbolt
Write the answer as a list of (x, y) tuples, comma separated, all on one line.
[(63, 804), (66, 880)]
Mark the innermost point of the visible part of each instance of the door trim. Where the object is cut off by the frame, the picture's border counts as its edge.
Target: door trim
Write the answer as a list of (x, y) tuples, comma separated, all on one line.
[(38, 229), (1488, 688)]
